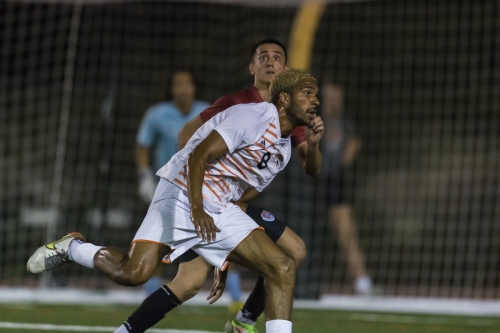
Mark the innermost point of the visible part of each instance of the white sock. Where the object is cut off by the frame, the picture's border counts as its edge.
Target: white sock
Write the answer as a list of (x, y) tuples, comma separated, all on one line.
[(278, 326), (83, 253), (121, 329), (363, 285)]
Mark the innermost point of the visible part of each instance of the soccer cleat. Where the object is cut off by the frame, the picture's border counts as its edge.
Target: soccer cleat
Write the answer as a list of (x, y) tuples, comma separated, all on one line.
[(235, 326), (52, 255)]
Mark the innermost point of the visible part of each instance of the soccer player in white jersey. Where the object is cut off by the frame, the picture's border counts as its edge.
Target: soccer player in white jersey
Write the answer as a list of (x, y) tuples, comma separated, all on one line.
[(267, 59), (235, 154)]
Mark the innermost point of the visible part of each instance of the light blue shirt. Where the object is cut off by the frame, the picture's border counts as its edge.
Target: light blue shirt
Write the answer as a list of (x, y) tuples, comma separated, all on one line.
[(160, 126)]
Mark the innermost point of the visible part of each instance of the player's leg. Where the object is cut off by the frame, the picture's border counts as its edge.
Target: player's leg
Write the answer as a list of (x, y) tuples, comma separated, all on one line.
[(233, 286), (284, 237), (132, 269), (290, 243), (342, 220), (259, 253), (192, 273), (154, 282), (129, 269)]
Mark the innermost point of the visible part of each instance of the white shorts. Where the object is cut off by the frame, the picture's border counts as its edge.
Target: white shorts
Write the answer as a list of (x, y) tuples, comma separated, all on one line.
[(168, 222)]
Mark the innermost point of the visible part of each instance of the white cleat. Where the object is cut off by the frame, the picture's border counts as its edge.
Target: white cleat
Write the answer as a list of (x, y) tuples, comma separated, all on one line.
[(52, 255)]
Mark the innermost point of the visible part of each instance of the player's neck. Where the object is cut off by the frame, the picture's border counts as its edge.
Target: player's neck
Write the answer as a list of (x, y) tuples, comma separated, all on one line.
[(263, 89), (286, 125), (184, 108)]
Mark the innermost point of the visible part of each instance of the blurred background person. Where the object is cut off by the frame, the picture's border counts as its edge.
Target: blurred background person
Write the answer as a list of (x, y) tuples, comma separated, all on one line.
[(157, 136), (340, 147)]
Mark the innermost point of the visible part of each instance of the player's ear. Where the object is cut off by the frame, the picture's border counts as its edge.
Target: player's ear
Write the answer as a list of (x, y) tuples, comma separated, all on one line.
[(284, 99), (251, 68)]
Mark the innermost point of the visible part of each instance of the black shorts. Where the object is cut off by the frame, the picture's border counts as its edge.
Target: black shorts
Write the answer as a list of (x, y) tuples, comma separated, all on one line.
[(335, 192), (273, 227)]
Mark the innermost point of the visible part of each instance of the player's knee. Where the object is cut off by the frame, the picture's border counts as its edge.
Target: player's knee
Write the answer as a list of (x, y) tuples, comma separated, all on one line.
[(184, 288), (133, 279), (187, 294), (284, 270), (135, 276), (299, 254)]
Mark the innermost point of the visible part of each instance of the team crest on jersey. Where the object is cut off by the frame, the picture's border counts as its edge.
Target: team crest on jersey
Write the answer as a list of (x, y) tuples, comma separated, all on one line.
[(266, 216), (278, 160)]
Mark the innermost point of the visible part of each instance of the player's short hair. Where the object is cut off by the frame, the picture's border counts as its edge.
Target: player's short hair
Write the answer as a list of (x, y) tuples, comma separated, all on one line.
[(285, 81), (268, 41), (168, 82)]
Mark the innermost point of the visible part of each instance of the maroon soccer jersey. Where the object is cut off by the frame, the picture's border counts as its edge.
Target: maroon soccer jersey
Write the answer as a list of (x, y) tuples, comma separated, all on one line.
[(250, 95)]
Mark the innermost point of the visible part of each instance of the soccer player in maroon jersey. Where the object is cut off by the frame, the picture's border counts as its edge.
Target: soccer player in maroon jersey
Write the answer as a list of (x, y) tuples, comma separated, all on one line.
[(268, 58)]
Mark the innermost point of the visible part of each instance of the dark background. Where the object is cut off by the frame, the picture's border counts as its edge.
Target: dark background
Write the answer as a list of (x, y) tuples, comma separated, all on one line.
[(422, 83)]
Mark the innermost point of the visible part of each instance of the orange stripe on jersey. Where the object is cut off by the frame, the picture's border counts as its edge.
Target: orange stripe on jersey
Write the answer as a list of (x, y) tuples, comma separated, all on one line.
[(270, 142), (212, 190), (245, 160), (222, 180), (216, 183), (235, 164), (260, 146), (182, 174), (180, 182), (211, 201), (272, 133), (256, 159), (272, 125), (225, 167)]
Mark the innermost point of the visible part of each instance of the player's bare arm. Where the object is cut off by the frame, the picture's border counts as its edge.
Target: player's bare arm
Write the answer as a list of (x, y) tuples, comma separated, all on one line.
[(211, 148), (187, 131), (246, 197), (308, 151)]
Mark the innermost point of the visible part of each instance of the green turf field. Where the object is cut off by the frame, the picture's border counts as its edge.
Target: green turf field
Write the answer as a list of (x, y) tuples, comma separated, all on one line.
[(212, 319)]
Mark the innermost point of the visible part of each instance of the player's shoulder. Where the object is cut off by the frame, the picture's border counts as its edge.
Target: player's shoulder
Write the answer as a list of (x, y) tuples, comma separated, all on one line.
[(262, 109), (245, 96), (258, 115), (161, 107), (198, 104)]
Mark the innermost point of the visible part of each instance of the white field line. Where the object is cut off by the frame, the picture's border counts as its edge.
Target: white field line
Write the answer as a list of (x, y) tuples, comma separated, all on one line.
[(406, 319), (74, 328)]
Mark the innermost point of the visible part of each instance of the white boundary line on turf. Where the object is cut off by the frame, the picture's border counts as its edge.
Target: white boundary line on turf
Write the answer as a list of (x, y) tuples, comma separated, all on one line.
[(413, 319), (75, 328), (423, 305)]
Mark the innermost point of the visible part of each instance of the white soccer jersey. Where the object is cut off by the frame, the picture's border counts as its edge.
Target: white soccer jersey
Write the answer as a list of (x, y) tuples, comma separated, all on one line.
[(257, 153)]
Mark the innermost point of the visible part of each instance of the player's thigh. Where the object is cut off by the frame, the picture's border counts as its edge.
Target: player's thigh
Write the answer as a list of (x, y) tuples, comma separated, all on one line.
[(284, 237), (292, 245), (273, 226), (190, 277), (260, 254), (144, 257)]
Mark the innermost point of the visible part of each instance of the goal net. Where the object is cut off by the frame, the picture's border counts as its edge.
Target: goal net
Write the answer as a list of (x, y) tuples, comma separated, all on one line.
[(421, 83)]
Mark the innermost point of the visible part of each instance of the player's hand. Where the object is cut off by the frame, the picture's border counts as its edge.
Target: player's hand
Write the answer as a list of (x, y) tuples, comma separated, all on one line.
[(204, 225), (147, 185), (218, 287), (314, 131)]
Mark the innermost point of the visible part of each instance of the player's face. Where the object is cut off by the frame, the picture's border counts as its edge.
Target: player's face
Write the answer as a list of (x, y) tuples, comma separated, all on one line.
[(333, 100), (303, 102), (183, 89), (268, 60)]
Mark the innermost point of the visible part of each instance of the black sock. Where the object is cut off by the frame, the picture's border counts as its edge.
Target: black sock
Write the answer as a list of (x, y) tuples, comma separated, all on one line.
[(254, 306), (152, 310)]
